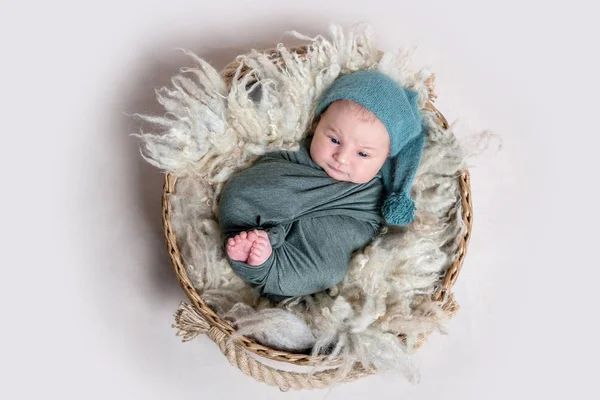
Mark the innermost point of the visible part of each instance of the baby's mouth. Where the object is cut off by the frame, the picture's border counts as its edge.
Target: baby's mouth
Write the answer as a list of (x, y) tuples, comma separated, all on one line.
[(337, 170)]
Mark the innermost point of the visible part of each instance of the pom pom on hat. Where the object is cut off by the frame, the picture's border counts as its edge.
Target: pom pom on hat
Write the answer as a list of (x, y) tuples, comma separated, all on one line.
[(398, 209)]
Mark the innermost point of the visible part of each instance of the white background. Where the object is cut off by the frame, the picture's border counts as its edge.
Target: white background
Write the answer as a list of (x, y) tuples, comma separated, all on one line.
[(87, 289)]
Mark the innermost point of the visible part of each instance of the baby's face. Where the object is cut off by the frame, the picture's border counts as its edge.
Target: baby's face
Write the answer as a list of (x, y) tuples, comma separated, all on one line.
[(348, 147)]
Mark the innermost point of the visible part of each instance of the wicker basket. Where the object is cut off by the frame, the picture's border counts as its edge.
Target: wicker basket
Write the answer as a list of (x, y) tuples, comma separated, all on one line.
[(200, 318)]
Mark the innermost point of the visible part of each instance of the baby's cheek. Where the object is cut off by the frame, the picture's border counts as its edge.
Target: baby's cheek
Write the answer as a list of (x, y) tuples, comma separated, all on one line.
[(321, 151), (324, 156), (356, 177), (365, 174)]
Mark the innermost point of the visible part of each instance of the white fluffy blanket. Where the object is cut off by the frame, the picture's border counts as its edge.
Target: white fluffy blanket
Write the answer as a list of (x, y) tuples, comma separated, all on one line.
[(211, 130)]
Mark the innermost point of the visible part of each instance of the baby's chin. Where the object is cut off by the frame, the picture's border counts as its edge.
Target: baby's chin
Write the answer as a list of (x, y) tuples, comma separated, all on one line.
[(348, 178), (340, 175), (343, 177), (339, 178)]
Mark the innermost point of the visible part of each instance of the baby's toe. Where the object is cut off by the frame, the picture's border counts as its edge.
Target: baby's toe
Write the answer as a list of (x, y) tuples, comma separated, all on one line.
[(252, 236), (261, 241), (263, 234), (243, 235), (257, 248)]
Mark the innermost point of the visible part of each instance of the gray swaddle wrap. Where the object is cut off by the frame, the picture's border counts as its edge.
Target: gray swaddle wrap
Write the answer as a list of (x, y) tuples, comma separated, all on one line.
[(314, 222)]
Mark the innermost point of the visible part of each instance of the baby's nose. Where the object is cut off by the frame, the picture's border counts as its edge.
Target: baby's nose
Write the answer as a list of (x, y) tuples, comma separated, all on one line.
[(341, 157)]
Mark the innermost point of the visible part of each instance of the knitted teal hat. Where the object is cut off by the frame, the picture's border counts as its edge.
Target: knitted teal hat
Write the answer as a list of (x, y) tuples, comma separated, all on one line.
[(397, 108)]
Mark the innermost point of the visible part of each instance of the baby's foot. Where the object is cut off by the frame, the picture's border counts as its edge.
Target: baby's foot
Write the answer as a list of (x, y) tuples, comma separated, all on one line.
[(261, 248), (238, 247)]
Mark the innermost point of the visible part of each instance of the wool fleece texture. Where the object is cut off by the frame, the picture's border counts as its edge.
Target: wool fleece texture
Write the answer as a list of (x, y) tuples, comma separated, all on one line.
[(211, 131)]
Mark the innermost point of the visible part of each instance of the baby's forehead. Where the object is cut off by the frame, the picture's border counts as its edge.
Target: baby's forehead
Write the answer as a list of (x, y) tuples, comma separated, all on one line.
[(355, 109)]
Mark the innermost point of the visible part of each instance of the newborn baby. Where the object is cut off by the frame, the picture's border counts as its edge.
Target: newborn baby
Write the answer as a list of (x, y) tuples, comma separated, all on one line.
[(292, 221)]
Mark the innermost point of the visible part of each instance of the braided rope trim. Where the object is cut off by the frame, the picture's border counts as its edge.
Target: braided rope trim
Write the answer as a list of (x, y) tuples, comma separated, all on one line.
[(190, 323)]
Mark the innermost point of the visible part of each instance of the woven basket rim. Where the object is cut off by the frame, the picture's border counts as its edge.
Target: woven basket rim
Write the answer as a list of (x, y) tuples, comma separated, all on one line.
[(443, 293)]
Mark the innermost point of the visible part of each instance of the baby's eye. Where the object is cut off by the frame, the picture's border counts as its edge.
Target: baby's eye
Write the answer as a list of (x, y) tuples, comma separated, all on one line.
[(335, 141), (364, 155)]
